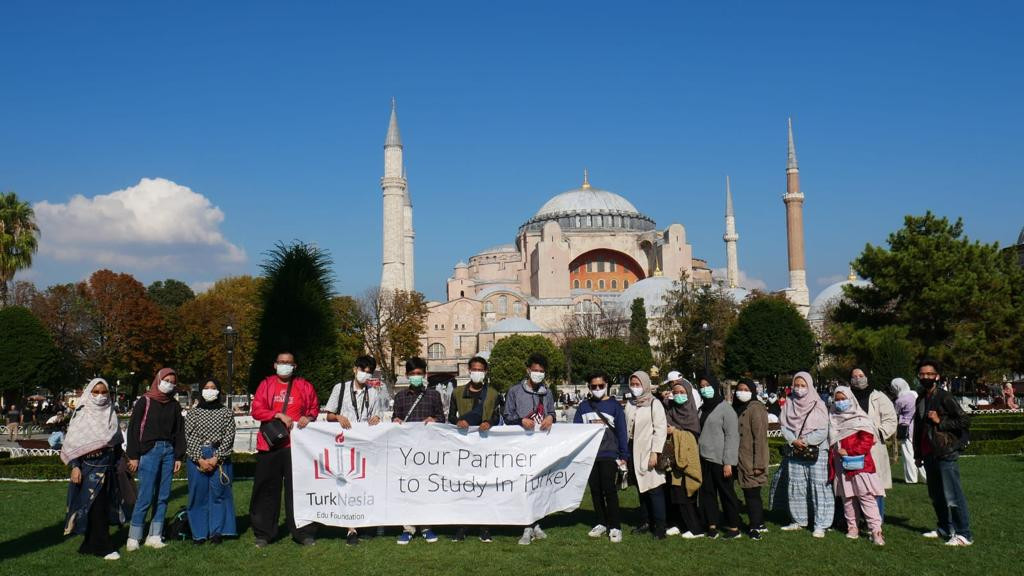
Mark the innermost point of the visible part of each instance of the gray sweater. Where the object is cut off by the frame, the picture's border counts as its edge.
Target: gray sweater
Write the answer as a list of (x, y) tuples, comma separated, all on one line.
[(720, 436), (522, 401)]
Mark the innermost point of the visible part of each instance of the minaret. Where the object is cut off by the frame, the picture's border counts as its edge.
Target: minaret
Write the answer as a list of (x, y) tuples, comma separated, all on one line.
[(732, 270), (794, 200), (409, 237), (393, 184)]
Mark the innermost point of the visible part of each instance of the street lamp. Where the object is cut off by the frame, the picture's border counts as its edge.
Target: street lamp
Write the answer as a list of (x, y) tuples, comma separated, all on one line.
[(817, 362), (230, 339), (706, 329)]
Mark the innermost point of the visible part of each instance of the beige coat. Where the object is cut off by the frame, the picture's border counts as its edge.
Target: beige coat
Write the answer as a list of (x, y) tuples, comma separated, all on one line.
[(883, 414), (647, 430), (753, 425)]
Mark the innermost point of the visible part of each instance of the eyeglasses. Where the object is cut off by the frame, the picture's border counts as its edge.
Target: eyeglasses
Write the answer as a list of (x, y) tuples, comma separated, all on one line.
[(598, 386), (926, 374)]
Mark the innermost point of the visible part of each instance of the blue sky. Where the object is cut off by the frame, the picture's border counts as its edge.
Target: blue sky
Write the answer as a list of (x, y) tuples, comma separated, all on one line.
[(272, 117)]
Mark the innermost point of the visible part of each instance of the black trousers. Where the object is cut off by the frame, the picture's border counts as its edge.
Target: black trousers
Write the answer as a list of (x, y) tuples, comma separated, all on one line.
[(755, 507), (717, 487), (687, 510), (652, 508), (273, 468), (604, 492), (97, 529)]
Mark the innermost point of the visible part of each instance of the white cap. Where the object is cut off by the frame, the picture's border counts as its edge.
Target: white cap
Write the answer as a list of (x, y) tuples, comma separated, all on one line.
[(673, 376)]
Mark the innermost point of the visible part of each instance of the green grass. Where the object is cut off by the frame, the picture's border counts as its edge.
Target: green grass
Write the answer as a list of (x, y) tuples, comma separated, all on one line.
[(31, 542)]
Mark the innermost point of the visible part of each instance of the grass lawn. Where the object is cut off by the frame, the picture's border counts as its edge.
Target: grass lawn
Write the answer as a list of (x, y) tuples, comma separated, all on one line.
[(31, 542)]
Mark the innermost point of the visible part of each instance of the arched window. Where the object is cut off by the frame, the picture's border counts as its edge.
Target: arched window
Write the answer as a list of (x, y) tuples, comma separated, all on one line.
[(489, 307), (435, 350), (600, 284), (625, 284), (503, 305), (517, 308), (590, 284), (575, 283), (615, 284), (611, 266)]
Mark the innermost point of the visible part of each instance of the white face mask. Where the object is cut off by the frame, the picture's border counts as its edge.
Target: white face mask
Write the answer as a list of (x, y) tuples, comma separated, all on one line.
[(210, 394), (598, 392), (284, 370), (165, 386), (744, 395), (637, 391), (799, 392), (477, 377), (536, 377), (859, 382), (362, 377), (101, 400)]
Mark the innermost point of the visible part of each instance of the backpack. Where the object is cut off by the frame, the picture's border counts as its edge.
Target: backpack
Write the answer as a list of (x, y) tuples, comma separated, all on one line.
[(177, 528)]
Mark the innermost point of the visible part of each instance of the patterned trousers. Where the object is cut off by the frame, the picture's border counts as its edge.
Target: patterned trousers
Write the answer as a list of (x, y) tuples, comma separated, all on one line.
[(809, 490)]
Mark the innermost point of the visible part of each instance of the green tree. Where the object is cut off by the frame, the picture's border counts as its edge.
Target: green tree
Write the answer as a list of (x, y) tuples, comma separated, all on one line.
[(957, 300), (891, 357), (297, 315), (170, 294), (508, 360), (27, 353), (680, 337), (638, 332), (19, 239), (614, 357), (350, 320), (393, 322), (769, 338), (68, 316)]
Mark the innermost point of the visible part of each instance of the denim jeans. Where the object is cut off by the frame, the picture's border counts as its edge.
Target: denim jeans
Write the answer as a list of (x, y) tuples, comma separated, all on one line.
[(947, 496), (155, 470)]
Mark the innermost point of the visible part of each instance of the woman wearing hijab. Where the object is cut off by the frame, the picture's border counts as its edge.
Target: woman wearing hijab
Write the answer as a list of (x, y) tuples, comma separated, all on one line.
[(92, 447), (905, 404), (156, 446), (210, 436), (752, 417), (684, 426), (882, 412), (805, 423), (719, 455), (853, 465), (645, 419)]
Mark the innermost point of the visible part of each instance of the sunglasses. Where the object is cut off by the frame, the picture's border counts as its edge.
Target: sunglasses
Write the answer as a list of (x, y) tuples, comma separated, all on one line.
[(598, 387)]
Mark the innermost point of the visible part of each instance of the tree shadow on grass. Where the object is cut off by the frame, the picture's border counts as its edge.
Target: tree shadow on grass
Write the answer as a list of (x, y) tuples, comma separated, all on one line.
[(33, 542)]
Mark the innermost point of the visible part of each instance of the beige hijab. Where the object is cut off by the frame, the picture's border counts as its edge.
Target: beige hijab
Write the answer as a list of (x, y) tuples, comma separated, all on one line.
[(647, 397), (92, 426)]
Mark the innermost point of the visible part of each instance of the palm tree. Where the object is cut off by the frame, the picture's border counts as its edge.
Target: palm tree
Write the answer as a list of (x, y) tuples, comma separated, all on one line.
[(19, 239)]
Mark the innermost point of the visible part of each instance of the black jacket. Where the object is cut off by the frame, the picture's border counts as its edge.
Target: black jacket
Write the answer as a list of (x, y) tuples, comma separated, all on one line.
[(164, 422), (950, 435)]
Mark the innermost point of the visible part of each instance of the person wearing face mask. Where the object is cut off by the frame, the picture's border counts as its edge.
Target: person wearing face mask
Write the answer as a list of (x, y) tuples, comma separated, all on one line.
[(417, 403), (648, 429), (530, 404), (805, 422), (292, 400), (940, 434), (155, 449), (683, 420), (600, 410), (882, 412), (752, 420), (719, 456), (853, 468), (210, 438), (474, 404), (92, 447)]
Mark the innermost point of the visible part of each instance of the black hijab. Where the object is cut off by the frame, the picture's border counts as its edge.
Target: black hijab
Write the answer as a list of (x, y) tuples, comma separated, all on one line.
[(217, 403), (710, 404)]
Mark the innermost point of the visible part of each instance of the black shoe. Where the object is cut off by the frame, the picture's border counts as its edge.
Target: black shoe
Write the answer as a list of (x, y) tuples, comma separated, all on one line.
[(485, 535), (754, 534), (352, 539), (216, 539), (660, 535), (712, 535), (731, 535), (460, 535), (641, 529), (199, 542)]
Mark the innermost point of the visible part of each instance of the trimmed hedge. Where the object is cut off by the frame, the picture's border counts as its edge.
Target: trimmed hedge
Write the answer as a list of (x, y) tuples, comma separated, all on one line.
[(51, 467)]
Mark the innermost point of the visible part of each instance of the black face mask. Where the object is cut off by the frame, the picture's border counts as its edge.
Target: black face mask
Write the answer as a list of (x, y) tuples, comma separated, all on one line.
[(927, 383)]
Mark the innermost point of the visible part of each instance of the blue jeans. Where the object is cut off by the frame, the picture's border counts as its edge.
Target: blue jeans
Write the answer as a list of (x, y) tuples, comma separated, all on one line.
[(947, 496), (155, 469), (211, 503)]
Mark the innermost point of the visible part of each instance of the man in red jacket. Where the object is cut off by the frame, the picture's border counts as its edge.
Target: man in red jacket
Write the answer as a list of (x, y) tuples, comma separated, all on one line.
[(275, 464)]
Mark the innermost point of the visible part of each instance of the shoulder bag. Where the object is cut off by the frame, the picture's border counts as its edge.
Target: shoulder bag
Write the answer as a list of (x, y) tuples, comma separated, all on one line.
[(274, 432), (808, 454)]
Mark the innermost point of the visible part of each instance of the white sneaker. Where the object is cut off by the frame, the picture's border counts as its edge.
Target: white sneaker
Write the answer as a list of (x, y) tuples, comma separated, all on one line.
[(690, 535), (615, 535), (155, 542), (958, 540), (527, 537), (936, 534), (597, 531), (112, 556), (672, 531), (538, 534), (818, 534), (132, 545), (792, 527)]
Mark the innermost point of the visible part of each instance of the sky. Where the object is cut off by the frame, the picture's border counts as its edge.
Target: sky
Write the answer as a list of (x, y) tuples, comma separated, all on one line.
[(184, 139)]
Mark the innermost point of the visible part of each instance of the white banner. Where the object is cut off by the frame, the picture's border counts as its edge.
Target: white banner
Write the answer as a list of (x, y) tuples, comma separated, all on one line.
[(435, 474)]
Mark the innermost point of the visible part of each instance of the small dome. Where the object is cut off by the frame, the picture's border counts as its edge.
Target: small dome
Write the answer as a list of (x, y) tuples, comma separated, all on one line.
[(738, 294), (462, 264), (653, 290), (829, 297), (514, 325)]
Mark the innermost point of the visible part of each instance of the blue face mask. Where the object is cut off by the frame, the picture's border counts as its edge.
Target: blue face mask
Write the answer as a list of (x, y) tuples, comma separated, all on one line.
[(843, 405), (680, 398), (416, 381), (707, 392)]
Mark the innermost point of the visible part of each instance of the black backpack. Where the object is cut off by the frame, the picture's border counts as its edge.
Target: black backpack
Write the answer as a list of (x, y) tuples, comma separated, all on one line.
[(177, 528)]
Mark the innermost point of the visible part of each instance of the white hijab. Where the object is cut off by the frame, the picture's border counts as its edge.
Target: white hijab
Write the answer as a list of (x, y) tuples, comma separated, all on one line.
[(92, 426)]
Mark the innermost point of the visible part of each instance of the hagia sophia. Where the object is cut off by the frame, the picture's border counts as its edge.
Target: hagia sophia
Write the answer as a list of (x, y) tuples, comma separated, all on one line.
[(584, 251)]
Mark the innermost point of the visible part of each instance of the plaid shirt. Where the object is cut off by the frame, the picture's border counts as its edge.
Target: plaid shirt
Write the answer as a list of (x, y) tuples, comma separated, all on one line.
[(429, 407)]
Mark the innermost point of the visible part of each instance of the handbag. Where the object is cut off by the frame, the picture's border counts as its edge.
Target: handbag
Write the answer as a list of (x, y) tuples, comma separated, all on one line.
[(274, 432), (903, 431), (853, 463), (667, 457), (806, 454)]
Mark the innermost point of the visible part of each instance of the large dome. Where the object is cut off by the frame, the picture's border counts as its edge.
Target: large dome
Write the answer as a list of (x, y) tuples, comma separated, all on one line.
[(587, 208), (653, 290), (831, 296)]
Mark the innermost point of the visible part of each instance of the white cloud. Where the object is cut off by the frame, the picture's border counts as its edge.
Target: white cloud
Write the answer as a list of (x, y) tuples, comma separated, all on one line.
[(830, 280), (200, 287), (745, 281), (153, 225)]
